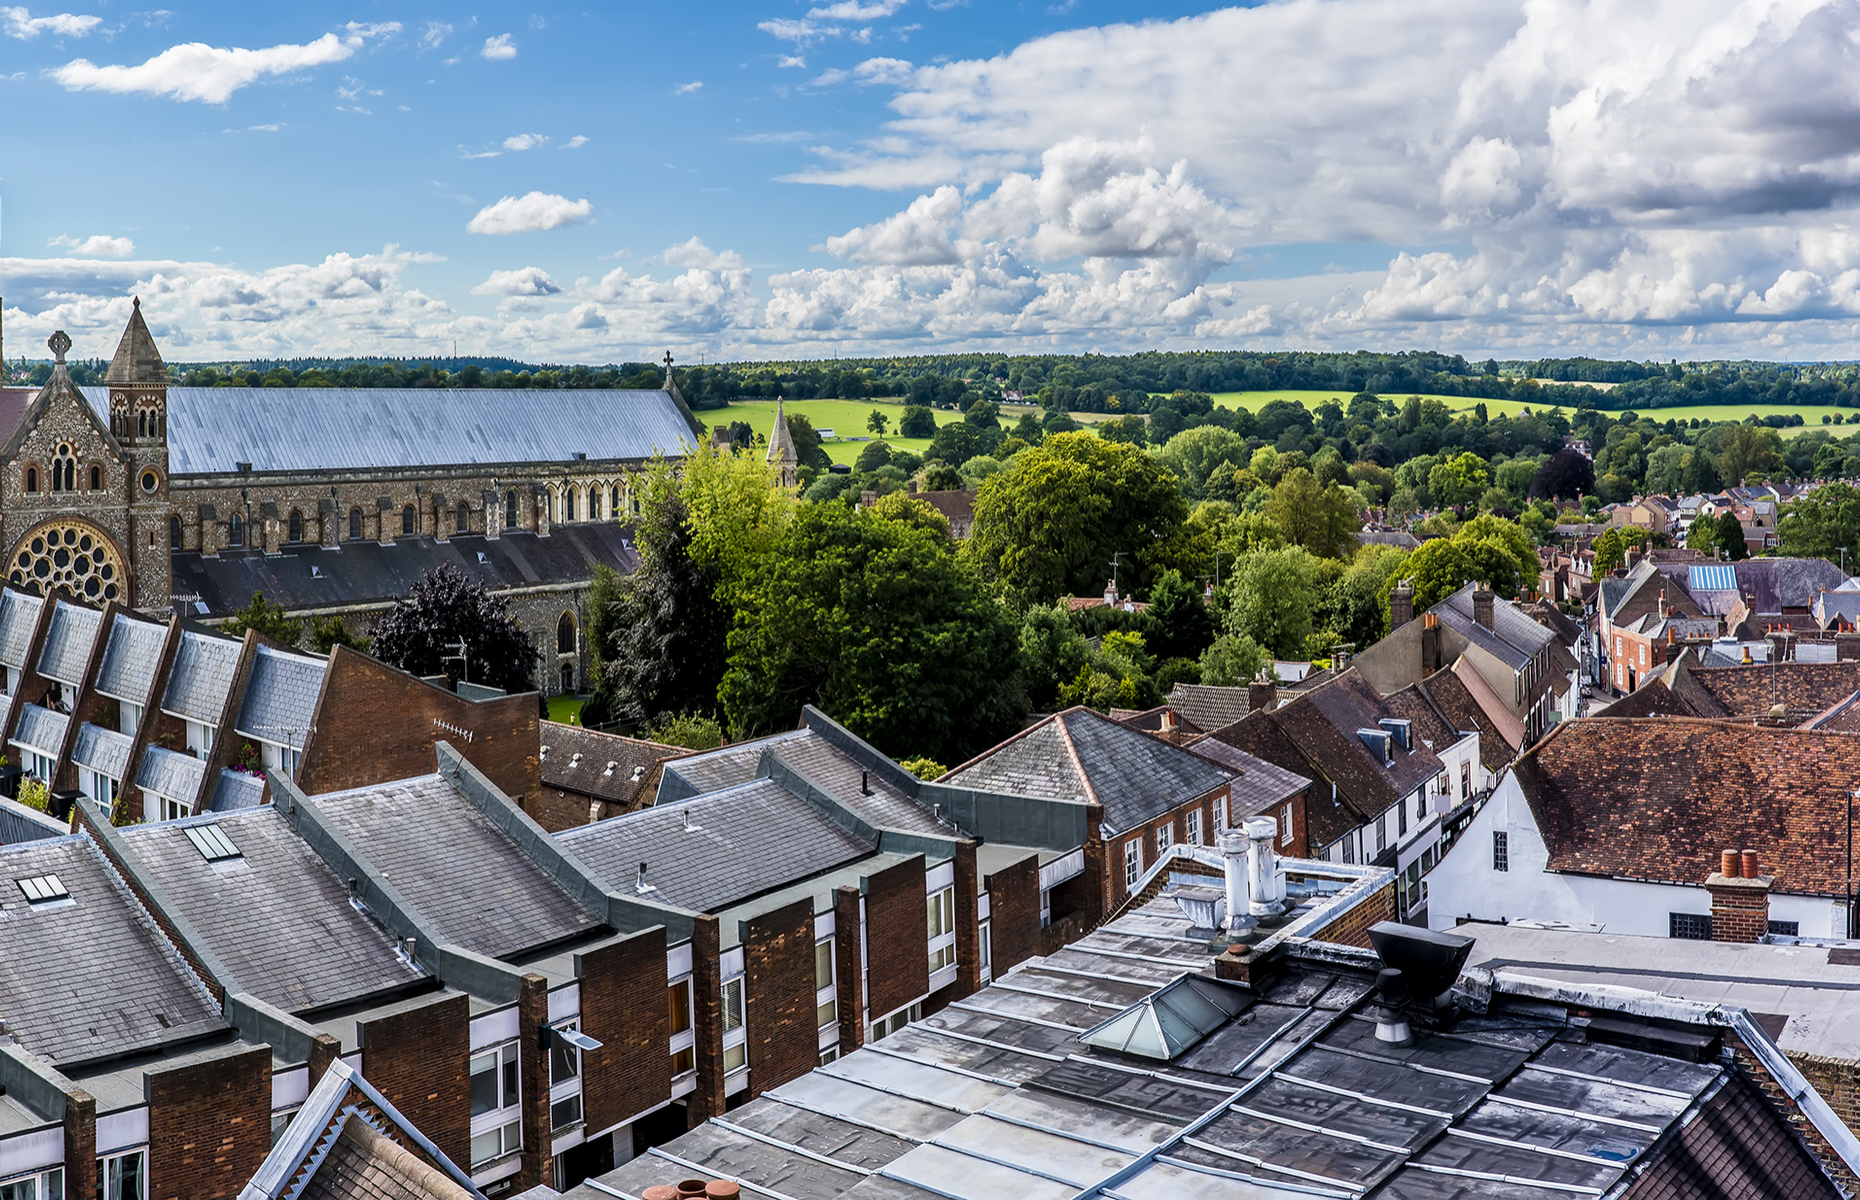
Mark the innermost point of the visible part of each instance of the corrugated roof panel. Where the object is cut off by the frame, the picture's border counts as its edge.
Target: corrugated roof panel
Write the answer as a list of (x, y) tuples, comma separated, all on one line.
[(212, 430), (1720, 577)]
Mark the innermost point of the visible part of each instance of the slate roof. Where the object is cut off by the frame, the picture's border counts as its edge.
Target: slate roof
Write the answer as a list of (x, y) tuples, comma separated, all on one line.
[(368, 572), (1780, 583), (1207, 707), (1513, 638), (1258, 786), (21, 824), (41, 729), (745, 840), (280, 697), (456, 868), (103, 750), (276, 917), (1656, 799), (235, 790), (201, 677), (606, 765), (1500, 733), (1085, 756), (131, 659), (166, 773), (136, 359), (69, 637), (98, 954), (19, 614)]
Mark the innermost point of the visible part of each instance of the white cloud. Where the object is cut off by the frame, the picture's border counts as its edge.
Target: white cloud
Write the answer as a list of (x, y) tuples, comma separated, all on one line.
[(853, 10), (526, 141), (529, 213), (917, 236), (685, 89), (524, 281), (499, 48), (21, 24), (96, 246), (792, 60), (197, 71), (435, 34), (574, 143), (374, 29), (801, 33), (871, 72)]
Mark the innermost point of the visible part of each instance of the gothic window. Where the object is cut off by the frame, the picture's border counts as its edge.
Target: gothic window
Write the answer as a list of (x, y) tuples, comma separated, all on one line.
[(235, 531), (297, 526), (32, 479), (464, 518), (64, 470), (613, 509), (408, 518), (71, 556), (96, 478), (565, 634), (568, 504), (510, 509), (355, 524), (174, 533)]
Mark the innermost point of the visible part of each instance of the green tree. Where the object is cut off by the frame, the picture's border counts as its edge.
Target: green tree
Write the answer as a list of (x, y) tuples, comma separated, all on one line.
[(916, 421), (1234, 660), (1052, 652), (444, 608), (1731, 536), (1487, 549), (1358, 608), (1131, 429), (1745, 450), (877, 422), (1195, 454), (692, 731), (1458, 481), (1822, 524), (1703, 536), (269, 619), (1184, 626), (1321, 517), (958, 442), (879, 624), (983, 414), (899, 506), (326, 633), (1050, 526), (924, 768), (873, 456), (807, 449), (1699, 476), (1273, 597)]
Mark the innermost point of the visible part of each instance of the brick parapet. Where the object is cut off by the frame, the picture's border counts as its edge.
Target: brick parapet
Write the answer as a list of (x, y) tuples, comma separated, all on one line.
[(968, 923), (80, 1145), (209, 1125), (778, 995), (849, 966), (897, 937), (533, 1068), (623, 1006), (420, 1059), (707, 1020), (1014, 914)]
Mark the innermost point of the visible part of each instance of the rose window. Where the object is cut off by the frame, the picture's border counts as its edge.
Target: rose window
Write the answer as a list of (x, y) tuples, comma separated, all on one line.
[(69, 556)]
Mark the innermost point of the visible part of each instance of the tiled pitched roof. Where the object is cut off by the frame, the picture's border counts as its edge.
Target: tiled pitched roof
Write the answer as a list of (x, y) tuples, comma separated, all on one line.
[(363, 1164), (68, 641), (131, 659), (235, 790), (1651, 699), (201, 677), (579, 759), (454, 866), (280, 697), (276, 917), (41, 729), (59, 958), (1258, 786), (740, 842), (167, 773), (1450, 692), (1208, 707), (1657, 799), (19, 614), (1738, 1148), (103, 750), (1751, 691), (1513, 638)]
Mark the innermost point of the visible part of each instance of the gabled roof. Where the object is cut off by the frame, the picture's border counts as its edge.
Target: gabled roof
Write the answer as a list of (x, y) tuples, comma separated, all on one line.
[(280, 696), (1084, 756), (1258, 786), (201, 677), (1657, 798), (136, 359), (1740, 691), (781, 442), (1513, 639), (19, 616), (236, 790), (708, 852), (60, 386), (170, 774), (1207, 707), (69, 637), (41, 729), (578, 759), (130, 659), (457, 869), (1469, 702), (276, 917)]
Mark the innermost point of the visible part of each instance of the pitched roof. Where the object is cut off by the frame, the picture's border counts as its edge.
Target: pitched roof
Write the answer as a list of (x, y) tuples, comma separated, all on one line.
[(1740, 691), (1085, 756), (21, 824), (276, 917), (280, 696), (1258, 786), (201, 677), (136, 359), (170, 774), (130, 659), (1513, 639), (781, 442), (1499, 731), (1207, 707), (69, 637), (235, 790), (1657, 798), (738, 843), (19, 616), (98, 952), (41, 729), (457, 869), (102, 750), (578, 759)]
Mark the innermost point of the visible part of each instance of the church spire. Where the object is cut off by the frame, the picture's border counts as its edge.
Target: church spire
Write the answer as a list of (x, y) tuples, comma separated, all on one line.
[(137, 360), (781, 447)]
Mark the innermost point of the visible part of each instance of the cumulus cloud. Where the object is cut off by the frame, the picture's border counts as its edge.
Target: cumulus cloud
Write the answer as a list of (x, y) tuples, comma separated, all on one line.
[(20, 23), (96, 246), (685, 89), (524, 281), (499, 48), (853, 10), (526, 141), (210, 74), (870, 73), (529, 213), (574, 143)]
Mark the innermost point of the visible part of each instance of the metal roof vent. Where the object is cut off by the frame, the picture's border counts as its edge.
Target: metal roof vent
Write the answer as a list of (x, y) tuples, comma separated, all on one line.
[(575, 761), (639, 773), (609, 772), (689, 827), (640, 885)]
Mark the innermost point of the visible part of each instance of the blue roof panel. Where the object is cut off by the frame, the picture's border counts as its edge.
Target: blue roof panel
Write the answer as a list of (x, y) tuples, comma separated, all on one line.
[(1720, 577)]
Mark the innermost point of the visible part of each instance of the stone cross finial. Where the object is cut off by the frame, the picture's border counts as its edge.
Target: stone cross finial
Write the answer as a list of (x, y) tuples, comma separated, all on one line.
[(59, 342), (668, 364)]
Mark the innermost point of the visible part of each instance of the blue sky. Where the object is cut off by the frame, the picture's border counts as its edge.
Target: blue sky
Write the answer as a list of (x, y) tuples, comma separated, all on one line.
[(789, 178)]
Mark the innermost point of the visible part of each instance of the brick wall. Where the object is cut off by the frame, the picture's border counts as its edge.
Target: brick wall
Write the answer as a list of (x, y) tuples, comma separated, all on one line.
[(706, 1020), (1740, 909), (1837, 1081), (967, 909), (849, 967), (81, 1145), (533, 1068), (420, 1059), (1014, 913), (897, 937), (400, 718), (556, 809), (778, 996), (209, 1125), (623, 1007), (1351, 928)]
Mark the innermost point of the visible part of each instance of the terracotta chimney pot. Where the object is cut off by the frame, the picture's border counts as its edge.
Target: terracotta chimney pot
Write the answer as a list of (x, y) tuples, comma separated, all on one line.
[(1728, 864), (1751, 864)]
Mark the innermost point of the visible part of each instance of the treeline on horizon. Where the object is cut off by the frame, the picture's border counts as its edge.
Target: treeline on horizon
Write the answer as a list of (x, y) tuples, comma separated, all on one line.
[(1090, 383)]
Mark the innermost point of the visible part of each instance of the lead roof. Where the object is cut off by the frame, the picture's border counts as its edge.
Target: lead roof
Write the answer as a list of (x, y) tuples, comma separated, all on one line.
[(130, 659), (457, 869), (276, 917), (68, 641), (280, 697), (235, 790), (201, 677)]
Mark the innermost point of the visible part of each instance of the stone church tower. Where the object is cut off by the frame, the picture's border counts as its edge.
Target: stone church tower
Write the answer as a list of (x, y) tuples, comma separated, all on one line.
[(138, 383), (781, 449)]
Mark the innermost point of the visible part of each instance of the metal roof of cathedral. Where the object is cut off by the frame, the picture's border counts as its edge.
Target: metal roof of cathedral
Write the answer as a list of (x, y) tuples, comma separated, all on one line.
[(136, 359), (212, 431)]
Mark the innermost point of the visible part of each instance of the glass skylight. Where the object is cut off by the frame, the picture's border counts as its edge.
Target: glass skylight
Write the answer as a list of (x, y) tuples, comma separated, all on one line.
[(1169, 1021), (211, 842), (41, 889)]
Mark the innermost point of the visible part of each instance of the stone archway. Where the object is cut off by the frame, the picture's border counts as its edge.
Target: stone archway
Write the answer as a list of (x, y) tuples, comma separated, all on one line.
[(72, 555)]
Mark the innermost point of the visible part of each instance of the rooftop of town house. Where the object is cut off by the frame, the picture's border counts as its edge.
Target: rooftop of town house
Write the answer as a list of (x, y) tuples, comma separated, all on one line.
[(605, 765)]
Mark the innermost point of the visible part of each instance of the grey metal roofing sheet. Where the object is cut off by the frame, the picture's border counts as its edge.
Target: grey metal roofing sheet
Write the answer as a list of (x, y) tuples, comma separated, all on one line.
[(19, 614), (41, 729), (212, 430), (21, 824), (745, 840), (280, 696), (167, 773), (277, 917), (98, 954), (68, 641), (103, 750), (235, 790), (131, 659), (454, 866), (201, 677)]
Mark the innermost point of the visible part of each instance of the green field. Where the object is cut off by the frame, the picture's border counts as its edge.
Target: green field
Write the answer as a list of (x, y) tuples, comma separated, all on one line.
[(566, 709), (845, 417), (1811, 413)]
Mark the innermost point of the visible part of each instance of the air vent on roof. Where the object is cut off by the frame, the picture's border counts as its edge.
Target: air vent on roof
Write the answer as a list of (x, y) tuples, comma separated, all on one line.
[(608, 773), (212, 843), (316, 572), (482, 558), (43, 889)]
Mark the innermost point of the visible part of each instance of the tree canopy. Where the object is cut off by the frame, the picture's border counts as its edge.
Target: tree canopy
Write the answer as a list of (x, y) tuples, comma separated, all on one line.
[(420, 634)]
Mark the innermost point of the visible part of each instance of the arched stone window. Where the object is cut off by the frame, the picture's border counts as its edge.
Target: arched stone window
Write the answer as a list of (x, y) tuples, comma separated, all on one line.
[(96, 478), (235, 531), (568, 504), (565, 634), (64, 470), (464, 518), (297, 526), (409, 520), (174, 533), (511, 515), (32, 479), (355, 524), (613, 509)]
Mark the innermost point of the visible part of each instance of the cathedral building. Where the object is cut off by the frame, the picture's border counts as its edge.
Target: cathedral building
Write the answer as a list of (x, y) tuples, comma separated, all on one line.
[(331, 501)]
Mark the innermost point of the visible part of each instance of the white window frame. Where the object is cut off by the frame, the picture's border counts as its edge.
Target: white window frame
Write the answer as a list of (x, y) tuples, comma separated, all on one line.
[(97, 786), (985, 944), (281, 759), (687, 1038), (37, 765), (562, 1090), (1133, 863), (128, 718), (39, 1179), (890, 1023), (1285, 824), (112, 1188), (1165, 838), (499, 1121), (735, 1039), (172, 809), (1192, 820), (200, 738), (827, 996), (940, 927), (1501, 851)]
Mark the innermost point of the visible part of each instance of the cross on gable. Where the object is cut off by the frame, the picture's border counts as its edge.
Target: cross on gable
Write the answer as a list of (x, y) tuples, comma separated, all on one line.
[(59, 343)]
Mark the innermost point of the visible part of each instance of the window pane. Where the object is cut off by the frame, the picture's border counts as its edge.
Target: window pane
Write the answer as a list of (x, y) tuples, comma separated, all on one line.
[(735, 1057), (733, 1005), (485, 1147), (484, 1085), (564, 1113), (827, 1014), (678, 1005), (823, 965), (511, 1090), (564, 1061)]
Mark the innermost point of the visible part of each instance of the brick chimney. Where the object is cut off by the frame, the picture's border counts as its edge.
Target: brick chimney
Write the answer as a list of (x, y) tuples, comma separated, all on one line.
[(1482, 604), (1430, 643), (1740, 897), (1262, 696), (1401, 605)]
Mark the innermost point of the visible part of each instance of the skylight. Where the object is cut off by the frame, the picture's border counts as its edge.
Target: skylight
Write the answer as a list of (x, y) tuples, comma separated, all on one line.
[(1169, 1021), (42, 889), (211, 842)]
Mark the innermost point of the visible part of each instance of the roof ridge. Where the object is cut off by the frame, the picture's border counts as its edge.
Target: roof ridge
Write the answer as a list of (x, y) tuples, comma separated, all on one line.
[(1048, 719)]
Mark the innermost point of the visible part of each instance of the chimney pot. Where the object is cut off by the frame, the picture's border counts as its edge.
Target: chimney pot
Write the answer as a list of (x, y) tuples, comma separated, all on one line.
[(721, 1189), (1728, 864), (660, 1191), (689, 1189), (1751, 864), (865, 783)]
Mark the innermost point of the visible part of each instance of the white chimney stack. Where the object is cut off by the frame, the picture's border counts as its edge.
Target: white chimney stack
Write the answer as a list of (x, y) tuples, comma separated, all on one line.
[(1233, 845), (1265, 884)]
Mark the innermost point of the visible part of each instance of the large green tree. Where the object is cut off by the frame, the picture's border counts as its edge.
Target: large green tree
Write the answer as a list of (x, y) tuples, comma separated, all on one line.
[(1822, 524), (1050, 525), (423, 629), (878, 623), (1731, 536), (1273, 599), (1487, 549), (1182, 624), (1358, 608), (1321, 517), (1459, 480)]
